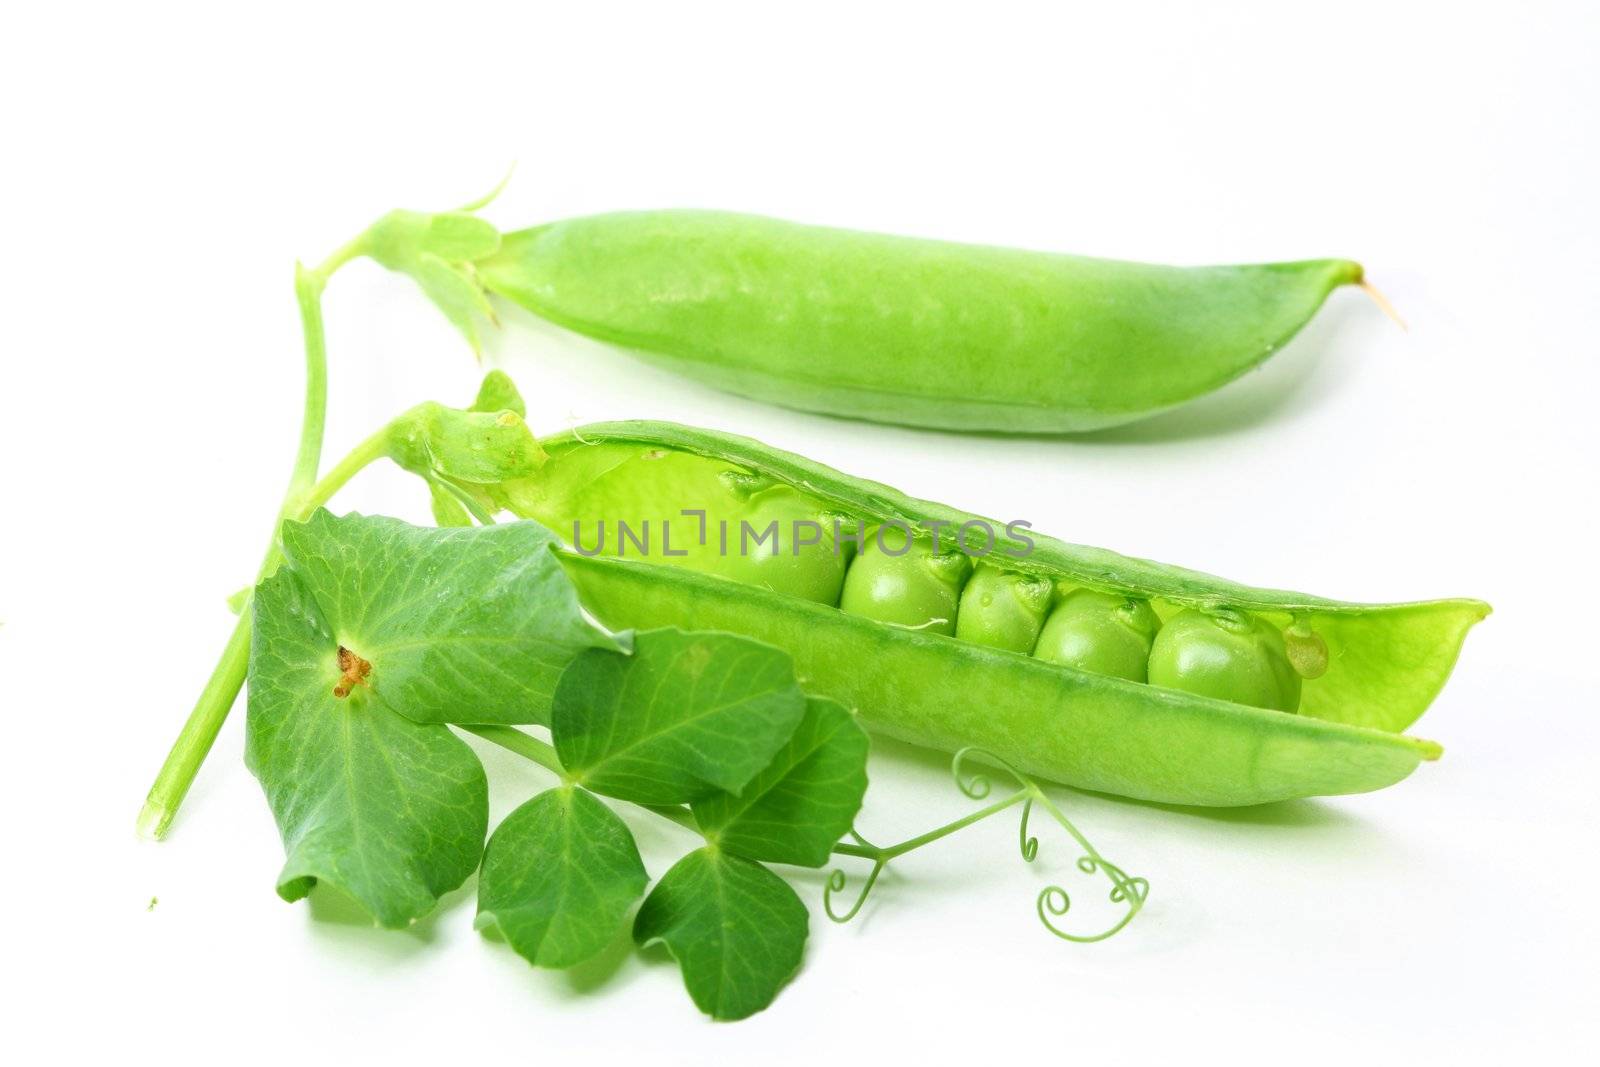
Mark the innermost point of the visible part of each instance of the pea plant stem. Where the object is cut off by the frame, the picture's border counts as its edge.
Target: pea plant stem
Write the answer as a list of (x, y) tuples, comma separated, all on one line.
[(304, 494), (523, 744), (227, 677), (198, 733), (308, 288), (889, 852)]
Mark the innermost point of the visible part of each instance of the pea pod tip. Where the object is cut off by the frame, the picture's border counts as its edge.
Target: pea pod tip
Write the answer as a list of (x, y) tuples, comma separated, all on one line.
[(1383, 302)]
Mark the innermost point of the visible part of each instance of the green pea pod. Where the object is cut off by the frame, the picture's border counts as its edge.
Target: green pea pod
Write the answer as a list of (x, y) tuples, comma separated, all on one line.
[(902, 330), (1385, 662)]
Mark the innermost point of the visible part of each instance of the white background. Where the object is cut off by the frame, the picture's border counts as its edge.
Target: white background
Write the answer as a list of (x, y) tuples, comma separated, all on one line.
[(165, 166)]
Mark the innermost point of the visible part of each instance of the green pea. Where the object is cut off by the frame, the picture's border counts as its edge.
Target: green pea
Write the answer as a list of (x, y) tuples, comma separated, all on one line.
[(783, 542), (1225, 654), (1003, 609), (905, 585), (893, 329), (1102, 633)]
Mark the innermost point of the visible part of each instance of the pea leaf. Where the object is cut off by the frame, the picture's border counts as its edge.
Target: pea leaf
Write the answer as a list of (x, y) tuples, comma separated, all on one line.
[(685, 715), (736, 929), (391, 811), (559, 877), (469, 625), (799, 807)]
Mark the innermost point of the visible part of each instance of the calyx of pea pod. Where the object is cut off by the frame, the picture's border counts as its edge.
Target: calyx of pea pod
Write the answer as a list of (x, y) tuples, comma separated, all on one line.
[(437, 250)]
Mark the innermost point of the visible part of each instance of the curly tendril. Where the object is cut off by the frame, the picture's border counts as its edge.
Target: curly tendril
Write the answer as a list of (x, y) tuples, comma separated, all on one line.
[(836, 884), (977, 786), (1030, 845), (1053, 901)]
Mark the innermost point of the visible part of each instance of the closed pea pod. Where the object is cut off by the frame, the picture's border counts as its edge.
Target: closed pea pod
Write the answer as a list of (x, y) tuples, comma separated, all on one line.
[(1382, 663), (904, 330)]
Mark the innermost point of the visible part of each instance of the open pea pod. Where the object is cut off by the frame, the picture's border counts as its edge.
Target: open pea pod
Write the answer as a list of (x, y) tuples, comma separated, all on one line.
[(902, 330), (1376, 666)]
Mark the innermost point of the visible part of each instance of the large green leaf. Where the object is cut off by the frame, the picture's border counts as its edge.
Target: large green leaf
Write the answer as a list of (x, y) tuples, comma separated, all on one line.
[(797, 809), (391, 811), (736, 929), (559, 877), (467, 625), (685, 715)]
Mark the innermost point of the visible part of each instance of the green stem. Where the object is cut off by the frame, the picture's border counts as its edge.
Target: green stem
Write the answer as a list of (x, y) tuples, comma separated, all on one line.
[(198, 733), (682, 816), (299, 508), (525, 745), (885, 854), (227, 678), (308, 287), (373, 448), (303, 496), (880, 857)]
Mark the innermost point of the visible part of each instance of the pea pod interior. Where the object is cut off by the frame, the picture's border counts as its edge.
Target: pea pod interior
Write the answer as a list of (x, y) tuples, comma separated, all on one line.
[(1384, 663), (905, 330)]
